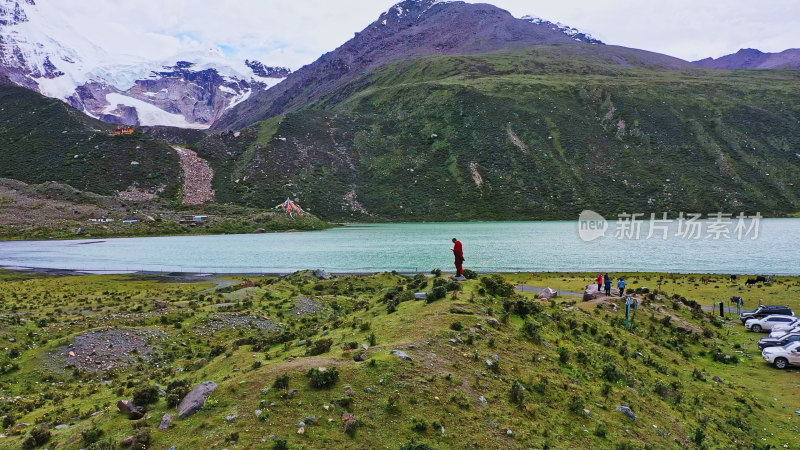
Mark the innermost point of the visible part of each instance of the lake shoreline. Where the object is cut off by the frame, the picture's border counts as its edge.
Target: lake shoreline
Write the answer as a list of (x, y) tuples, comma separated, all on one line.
[(490, 247)]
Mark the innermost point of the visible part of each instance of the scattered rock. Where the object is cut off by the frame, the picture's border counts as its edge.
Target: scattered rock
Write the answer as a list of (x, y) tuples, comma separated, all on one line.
[(349, 422), (509, 433), (349, 392), (195, 399), (127, 442), (166, 421), (547, 344), (493, 322), (61, 427), (627, 411), (302, 342), (110, 348), (401, 354), (483, 399), (231, 417), (591, 293), (304, 306), (420, 295), (258, 412), (717, 379), (127, 407), (319, 273), (548, 293), (160, 304), (361, 357)]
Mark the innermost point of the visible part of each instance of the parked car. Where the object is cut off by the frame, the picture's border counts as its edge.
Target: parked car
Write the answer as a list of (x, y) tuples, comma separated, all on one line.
[(779, 330), (782, 357), (766, 310), (787, 326), (778, 342), (766, 323)]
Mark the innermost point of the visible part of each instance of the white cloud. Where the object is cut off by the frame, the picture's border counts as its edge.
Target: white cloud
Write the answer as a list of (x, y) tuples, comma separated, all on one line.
[(296, 32)]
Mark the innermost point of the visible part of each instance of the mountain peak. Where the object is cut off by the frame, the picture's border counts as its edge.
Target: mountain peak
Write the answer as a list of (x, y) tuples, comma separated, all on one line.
[(751, 58), (566, 29)]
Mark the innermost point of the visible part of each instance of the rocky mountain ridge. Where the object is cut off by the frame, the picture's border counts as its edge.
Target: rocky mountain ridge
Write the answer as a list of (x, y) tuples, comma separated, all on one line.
[(413, 29), (750, 58)]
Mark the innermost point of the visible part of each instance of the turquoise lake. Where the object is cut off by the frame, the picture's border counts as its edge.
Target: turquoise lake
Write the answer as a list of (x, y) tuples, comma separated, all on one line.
[(421, 247)]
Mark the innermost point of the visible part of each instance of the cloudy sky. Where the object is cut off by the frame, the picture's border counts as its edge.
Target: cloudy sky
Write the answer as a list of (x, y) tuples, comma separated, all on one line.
[(296, 32)]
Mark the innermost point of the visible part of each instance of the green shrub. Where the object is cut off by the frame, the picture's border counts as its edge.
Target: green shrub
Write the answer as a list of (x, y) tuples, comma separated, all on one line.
[(282, 382), (436, 272), (176, 391), (437, 293), (456, 326), (414, 445), (612, 374), (39, 436), (497, 285), (600, 430), (575, 405), (145, 395), (280, 444), (141, 438), (323, 379), (563, 355), (320, 346), (470, 274), (419, 425), (532, 330), (91, 435), (518, 394), (217, 350)]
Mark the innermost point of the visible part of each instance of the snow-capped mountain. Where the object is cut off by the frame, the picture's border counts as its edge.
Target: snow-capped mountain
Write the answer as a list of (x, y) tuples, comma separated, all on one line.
[(189, 90), (574, 33)]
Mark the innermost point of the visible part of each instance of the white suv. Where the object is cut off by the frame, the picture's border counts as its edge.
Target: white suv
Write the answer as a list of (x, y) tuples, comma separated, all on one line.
[(782, 357), (786, 326), (780, 331), (766, 323)]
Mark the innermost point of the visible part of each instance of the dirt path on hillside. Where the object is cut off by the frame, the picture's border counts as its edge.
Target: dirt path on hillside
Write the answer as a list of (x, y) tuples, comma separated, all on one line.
[(197, 177)]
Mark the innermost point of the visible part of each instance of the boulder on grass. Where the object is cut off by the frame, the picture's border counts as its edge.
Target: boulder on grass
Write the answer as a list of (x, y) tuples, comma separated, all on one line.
[(195, 400), (548, 293), (591, 293)]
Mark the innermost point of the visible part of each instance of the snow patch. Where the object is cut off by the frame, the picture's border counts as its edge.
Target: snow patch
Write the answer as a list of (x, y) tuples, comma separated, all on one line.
[(150, 115)]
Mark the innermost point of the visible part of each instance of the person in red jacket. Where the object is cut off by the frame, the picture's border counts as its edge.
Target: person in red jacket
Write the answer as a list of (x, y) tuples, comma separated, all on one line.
[(458, 253), (599, 282)]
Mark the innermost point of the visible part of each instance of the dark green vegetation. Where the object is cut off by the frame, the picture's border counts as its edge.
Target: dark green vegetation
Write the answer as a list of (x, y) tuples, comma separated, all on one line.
[(57, 211), (541, 133), (484, 361), (43, 139)]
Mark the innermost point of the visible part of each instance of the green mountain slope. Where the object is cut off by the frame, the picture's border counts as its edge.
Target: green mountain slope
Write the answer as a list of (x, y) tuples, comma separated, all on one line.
[(43, 139), (533, 134)]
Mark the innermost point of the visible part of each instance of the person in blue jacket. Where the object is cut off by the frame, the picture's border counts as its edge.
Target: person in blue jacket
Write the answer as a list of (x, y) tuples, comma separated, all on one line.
[(621, 286), (607, 279)]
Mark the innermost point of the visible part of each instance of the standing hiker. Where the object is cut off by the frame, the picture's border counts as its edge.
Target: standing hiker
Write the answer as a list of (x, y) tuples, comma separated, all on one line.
[(599, 282), (621, 286), (458, 253), (608, 285)]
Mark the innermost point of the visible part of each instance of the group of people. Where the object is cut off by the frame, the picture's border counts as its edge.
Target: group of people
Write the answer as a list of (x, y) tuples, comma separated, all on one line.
[(602, 280), (606, 280)]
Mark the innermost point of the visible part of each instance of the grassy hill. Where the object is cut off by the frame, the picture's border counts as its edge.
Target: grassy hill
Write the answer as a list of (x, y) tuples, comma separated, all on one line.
[(43, 139), (487, 367), (541, 133)]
